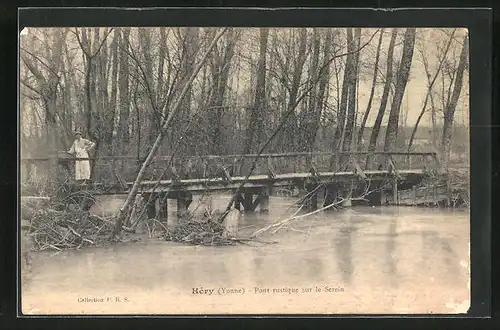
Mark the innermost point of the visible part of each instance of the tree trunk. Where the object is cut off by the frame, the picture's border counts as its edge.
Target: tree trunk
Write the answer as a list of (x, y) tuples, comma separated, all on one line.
[(308, 118), (47, 89), (123, 88), (323, 83), (190, 49), (291, 128), (372, 92), (451, 106), (161, 63), (342, 110), (352, 83), (383, 102), (110, 118), (429, 93), (220, 76), (255, 129), (402, 80)]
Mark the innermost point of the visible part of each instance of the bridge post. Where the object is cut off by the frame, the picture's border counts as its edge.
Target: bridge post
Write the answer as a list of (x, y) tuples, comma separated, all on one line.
[(395, 192), (150, 206), (331, 192), (264, 200), (376, 196), (346, 192), (184, 199), (238, 201), (181, 208), (247, 201), (312, 201), (162, 208)]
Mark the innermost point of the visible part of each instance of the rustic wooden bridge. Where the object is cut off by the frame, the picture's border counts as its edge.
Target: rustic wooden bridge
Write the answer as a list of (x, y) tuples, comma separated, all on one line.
[(318, 174)]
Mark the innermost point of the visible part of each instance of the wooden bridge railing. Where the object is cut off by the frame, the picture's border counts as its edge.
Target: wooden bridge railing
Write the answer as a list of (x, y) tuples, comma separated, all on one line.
[(111, 169)]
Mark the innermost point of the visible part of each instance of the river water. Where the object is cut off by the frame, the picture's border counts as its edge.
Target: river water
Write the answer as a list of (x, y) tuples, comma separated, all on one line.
[(361, 260)]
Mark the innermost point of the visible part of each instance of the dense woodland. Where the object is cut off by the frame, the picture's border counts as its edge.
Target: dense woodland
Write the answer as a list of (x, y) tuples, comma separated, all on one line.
[(324, 89)]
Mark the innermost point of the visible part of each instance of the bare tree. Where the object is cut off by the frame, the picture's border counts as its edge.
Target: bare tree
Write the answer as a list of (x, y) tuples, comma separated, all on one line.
[(449, 110), (256, 122), (324, 80), (429, 90), (123, 211), (383, 102), (46, 74), (220, 67), (123, 87), (291, 126), (372, 91), (342, 110), (352, 91), (401, 81), (111, 113)]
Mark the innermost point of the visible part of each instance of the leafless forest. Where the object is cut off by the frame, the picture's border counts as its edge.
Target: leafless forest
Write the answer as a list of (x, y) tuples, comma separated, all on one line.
[(139, 93), (332, 89)]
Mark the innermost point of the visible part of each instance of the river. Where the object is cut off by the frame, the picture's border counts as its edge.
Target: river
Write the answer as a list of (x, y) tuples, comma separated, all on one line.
[(360, 260)]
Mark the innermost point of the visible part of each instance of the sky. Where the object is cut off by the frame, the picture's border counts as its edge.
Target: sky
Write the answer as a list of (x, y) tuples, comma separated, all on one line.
[(416, 90)]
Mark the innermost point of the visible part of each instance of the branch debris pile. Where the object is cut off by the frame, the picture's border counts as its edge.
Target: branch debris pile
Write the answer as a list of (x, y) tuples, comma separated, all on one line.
[(457, 181), (200, 232), (58, 227)]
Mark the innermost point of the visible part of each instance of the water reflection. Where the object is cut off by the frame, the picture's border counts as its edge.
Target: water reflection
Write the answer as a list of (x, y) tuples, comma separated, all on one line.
[(343, 250), (390, 249)]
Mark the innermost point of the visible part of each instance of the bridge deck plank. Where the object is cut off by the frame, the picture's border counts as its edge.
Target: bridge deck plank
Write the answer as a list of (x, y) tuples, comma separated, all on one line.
[(256, 181)]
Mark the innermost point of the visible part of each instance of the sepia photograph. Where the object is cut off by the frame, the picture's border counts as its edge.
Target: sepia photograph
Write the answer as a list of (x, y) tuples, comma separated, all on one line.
[(230, 170)]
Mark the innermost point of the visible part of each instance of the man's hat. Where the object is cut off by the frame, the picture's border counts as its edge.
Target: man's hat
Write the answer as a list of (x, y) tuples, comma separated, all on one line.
[(78, 132)]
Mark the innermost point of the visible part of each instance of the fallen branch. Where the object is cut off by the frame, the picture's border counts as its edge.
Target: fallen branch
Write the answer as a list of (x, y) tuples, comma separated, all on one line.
[(77, 234), (236, 239), (280, 224)]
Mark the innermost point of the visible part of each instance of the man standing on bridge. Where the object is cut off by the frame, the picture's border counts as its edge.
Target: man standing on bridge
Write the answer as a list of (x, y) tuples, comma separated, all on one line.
[(80, 149)]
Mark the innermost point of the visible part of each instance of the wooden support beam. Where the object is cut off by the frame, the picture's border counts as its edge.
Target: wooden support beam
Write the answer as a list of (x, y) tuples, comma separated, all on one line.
[(247, 201), (225, 173), (439, 166), (347, 194), (184, 199), (314, 172), (256, 202), (62, 155), (375, 198), (270, 170), (383, 197), (392, 167), (150, 207), (264, 199), (264, 204), (395, 192), (238, 202), (181, 208), (235, 167), (122, 183), (162, 208), (205, 167), (331, 193), (312, 200), (357, 169)]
